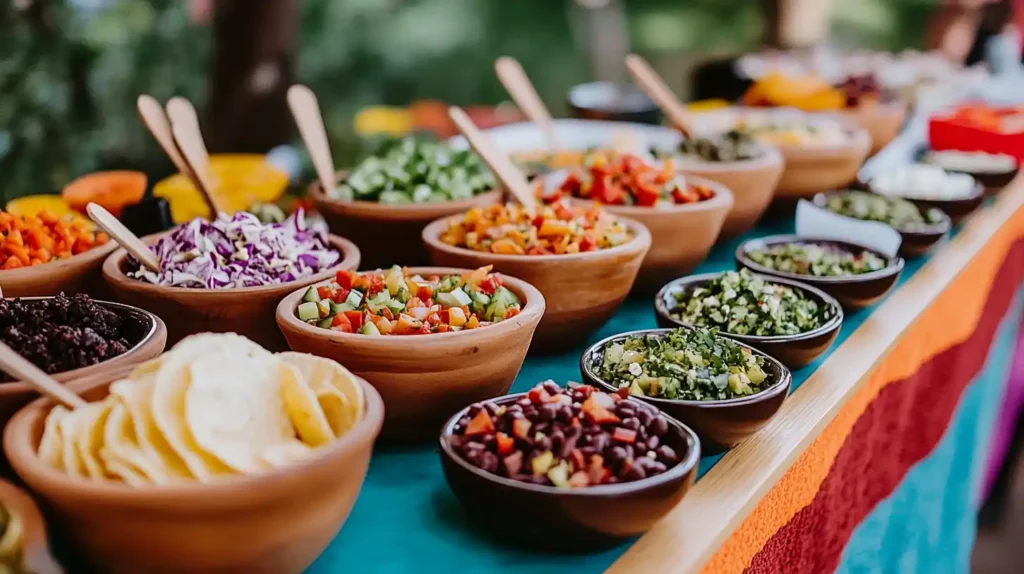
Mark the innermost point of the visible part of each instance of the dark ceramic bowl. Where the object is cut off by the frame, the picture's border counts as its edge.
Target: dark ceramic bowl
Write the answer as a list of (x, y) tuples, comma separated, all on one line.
[(609, 101), (720, 424), (794, 351), (852, 291), (993, 182), (956, 209), (916, 241), (568, 520)]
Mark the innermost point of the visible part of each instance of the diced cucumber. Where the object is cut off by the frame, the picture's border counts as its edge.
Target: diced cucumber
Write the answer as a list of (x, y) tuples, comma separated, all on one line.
[(369, 328), (379, 299), (480, 300), (326, 322), (311, 295), (395, 305), (454, 298), (421, 193), (354, 298), (394, 197), (341, 307), (309, 311)]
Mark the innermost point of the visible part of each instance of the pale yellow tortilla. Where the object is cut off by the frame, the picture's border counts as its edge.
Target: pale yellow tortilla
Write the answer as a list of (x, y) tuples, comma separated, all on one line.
[(89, 437), (68, 428), (51, 446), (137, 397), (328, 380), (288, 453), (304, 412), (121, 447)]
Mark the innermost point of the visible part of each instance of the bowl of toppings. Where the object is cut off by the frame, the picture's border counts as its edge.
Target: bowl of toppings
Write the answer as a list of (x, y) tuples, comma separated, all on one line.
[(855, 275), (384, 202), (582, 468), (928, 186), (749, 168), (215, 442), (684, 214), (920, 228), (994, 171), (584, 260), (44, 255), (474, 330), (228, 275), (722, 389), (789, 320), (70, 337), (23, 544)]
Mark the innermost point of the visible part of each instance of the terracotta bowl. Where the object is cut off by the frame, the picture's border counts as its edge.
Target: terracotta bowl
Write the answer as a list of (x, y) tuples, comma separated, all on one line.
[(149, 339), (424, 378), (883, 121), (852, 291), (794, 351), (752, 183), (275, 522), (77, 274), (35, 550), (813, 169), (581, 290), (681, 235), (916, 241), (720, 424), (248, 311), (993, 182), (956, 209), (568, 520), (388, 234)]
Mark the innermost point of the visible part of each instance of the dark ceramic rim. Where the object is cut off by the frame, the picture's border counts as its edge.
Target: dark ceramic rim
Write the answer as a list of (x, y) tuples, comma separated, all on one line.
[(938, 229), (976, 192), (685, 466), (893, 265), (685, 282), (777, 387)]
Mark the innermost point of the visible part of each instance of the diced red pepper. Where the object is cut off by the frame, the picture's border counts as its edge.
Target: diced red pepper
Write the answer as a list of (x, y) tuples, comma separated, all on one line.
[(324, 292), (623, 392), (442, 328), (506, 444), (587, 244), (355, 317), (576, 456), (480, 424), (538, 221), (625, 435), (538, 395), (413, 303), (341, 319), (646, 195), (387, 314), (511, 312), (344, 328), (601, 415), (344, 279), (376, 285), (521, 428), (488, 285), (424, 292), (339, 295)]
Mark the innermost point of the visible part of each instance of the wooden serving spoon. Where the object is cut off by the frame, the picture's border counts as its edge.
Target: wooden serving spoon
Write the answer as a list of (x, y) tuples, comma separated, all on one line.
[(189, 139), (524, 94), (656, 88), (496, 159), (19, 368), (125, 238), (155, 120), (306, 111)]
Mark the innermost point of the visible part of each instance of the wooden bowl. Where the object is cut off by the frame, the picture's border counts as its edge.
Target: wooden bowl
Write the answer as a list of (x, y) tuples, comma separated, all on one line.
[(388, 234), (149, 340), (35, 550), (424, 378), (568, 520), (916, 241), (752, 183), (681, 235), (794, 351), (852, 291), (248, 311), (813, 169), (274, 522), (76, 274), (956, 209), (720, 424), (882, 120), (581, 290)]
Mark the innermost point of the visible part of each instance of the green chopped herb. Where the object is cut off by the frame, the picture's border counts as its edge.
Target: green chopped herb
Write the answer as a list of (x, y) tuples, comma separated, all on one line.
[(893, 211), (820, 260), (734, 145)]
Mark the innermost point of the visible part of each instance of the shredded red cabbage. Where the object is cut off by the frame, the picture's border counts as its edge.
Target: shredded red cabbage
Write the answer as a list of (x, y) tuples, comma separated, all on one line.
[(239, 251)]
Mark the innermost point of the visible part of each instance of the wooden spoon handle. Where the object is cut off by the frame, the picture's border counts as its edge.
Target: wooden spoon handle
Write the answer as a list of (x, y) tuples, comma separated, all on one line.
[(306, 111), (518, 85), (18, 367), (155, 120), (189, 138), (652, 84), (125, 238), (496, 159)]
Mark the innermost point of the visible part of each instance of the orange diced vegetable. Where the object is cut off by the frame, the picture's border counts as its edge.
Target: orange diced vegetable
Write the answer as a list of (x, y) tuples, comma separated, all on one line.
[(480, 424)]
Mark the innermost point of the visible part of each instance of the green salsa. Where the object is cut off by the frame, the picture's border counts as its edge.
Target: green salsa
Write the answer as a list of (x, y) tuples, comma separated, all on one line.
[(819, 260)]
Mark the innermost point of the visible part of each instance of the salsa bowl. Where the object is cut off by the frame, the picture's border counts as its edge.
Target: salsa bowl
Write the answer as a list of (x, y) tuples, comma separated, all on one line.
[(76, 274), (917, 240)]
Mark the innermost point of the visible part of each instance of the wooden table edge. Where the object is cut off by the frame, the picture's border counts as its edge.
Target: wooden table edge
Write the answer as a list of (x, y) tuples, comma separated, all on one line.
[(717, 505)]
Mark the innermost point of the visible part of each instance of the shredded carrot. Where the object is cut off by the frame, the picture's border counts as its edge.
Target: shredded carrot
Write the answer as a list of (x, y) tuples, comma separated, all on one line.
[(36, 239)]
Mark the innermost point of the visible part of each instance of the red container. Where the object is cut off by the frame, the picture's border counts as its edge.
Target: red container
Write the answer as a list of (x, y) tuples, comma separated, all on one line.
[(978, 127)]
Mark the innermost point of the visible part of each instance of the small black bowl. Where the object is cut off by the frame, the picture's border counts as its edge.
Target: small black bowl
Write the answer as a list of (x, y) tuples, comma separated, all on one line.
[(609, 101), (852, 291), (794, 351), (956, 209), (568, 520), (993, 182), (720, 424), (916, 241)]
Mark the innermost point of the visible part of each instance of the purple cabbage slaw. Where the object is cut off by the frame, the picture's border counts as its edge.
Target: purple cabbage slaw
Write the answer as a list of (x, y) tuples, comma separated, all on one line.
[(238, 251)]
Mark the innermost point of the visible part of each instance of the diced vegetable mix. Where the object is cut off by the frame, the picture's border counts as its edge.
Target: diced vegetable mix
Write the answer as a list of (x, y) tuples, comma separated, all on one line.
[(416, 171), (733, 145), (820, 260), (892, 211), (574, 437), (686, 364), (742, 303), (556, 229), (31, 240), (394, 303), (623, 179)]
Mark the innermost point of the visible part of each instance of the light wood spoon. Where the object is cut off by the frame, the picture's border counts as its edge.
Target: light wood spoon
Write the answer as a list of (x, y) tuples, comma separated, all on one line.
[(306, 111), (518, 85), (189, 139), (496, 159), (656, 88), (155, 120), (21, 369), (123, 236)]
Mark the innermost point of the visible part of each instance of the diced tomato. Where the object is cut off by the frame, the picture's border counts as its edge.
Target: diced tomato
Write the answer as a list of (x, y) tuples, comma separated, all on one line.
[(325, 292), (623, 392), (601, 415), (444, 316), (344, 279), (442, 328), (376, 285), (625, 435), (341, 319), (356, 318), (538, 221), (538, 395), (521, 427), (387, 314), (511, 312), (563, 212), (506, 444), (424, 292), (345, 328), (576, 422), (646, 195), (340, 295), (598, 400), (480, 424), (488, 285), (424, 329), (579, 478), (599, 475)]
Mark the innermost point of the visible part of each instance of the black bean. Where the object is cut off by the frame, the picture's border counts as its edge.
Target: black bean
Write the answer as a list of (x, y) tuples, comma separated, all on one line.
[(629, 452), (557, 440), (516, 408), (552, 388), (645, 417), (659, 425), (475, 408), (631, 423), (632, 472), (625, 409), (565, 414), (593, 429), (574, 431), (658, 468), (491, 407), (667, 455), (513, 463), (549, 411), (531, 412), (489, 440), (601, 442), (542, 443), (474, 457), (524, 402), (617, 455), (568, 446), (653, 441), (540, 427)]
